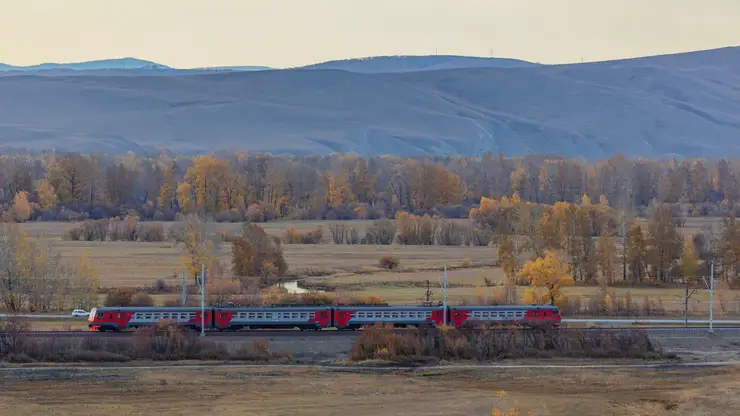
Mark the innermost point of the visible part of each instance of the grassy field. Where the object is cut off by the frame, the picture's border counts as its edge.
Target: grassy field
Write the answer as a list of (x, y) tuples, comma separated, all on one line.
[(349, 268), (325, 392)]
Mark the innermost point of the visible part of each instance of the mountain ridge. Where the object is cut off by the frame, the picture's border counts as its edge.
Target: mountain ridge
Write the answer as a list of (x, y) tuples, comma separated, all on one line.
[(680, 106)]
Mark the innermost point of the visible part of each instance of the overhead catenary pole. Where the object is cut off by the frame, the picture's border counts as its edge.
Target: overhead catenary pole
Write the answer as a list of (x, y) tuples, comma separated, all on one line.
[(202, 300), (711, 298), (444, 297), (184, 287)]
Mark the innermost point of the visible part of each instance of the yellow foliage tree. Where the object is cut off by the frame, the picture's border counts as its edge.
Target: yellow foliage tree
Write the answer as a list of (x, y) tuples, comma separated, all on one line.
[(185, 198), (21, 206), (83, 274), (689, 261), (550, 273), (46, 194), (338, 189), (167, 190)]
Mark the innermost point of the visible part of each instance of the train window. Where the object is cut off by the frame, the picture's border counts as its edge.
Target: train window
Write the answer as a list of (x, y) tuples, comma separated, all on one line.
[(148, 316), (252, 315)]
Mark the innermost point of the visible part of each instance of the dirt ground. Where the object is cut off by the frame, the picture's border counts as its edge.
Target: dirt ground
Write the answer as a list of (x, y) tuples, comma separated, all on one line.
[(283, 391)]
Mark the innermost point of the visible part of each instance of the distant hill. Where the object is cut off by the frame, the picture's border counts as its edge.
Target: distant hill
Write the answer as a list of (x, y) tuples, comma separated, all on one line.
[(120, 63), (681, 105), (388, 64), (120, 66)]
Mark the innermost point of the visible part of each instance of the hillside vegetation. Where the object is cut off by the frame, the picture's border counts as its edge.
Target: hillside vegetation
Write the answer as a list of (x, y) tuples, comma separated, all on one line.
[(686, 104)]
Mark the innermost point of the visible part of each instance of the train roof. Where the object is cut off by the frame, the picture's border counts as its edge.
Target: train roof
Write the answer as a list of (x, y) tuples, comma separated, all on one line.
[(388, 307), (272, 308), (506, 307)]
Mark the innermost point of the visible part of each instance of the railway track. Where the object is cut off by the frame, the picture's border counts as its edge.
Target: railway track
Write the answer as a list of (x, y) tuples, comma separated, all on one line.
[(334, 333)]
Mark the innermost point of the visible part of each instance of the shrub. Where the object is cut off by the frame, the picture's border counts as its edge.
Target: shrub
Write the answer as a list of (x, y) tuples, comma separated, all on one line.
[(369, 300), (18, 358), (389, 262), (121, 296), (478, 237), (293, 236), (142, 299), (256, 350), (416, 230), (93, 356), (338, 233), (74, 233), (12, 339), (151, 233), (255, 213), (352, 237), (381, 232), (451, 233), (381, 342)]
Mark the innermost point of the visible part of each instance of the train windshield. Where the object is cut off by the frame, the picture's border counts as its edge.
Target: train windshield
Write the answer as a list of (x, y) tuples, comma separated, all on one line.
[(93, 312)]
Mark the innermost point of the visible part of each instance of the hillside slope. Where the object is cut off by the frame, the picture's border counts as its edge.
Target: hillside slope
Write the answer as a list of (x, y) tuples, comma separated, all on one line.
[(637, 107), (389, 64)]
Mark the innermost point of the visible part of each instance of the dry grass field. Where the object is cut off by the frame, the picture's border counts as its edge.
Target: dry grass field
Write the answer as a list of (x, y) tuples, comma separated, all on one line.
[(350, 268), (307, 392)]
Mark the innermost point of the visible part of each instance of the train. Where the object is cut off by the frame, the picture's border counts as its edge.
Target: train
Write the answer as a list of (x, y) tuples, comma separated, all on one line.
[(314, 317)]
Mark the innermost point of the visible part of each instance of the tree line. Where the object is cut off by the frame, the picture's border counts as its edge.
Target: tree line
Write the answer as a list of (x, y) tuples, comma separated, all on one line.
[(261, 187)]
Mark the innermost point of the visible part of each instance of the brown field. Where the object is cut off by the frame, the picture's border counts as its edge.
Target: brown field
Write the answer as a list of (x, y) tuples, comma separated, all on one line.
[(448, 392), (140, 264)]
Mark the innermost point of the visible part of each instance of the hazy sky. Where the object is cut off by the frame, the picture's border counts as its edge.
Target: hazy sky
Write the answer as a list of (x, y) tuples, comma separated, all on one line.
[(285, 33)]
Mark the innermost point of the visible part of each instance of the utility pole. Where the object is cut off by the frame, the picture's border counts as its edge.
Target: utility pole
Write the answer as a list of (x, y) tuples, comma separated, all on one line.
[(444, 302), (711, 299), (202, 284), (184, 287), (686, 298)]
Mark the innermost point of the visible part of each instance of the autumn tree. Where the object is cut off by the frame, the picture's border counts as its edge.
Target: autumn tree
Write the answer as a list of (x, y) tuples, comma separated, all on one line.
[(185, 198), (215, 185), (689, 261), (664, 242), (636, 251), (46, 194), (70, 175), (21, 206), (192, 232), (606, 251), (254, 253), (29, 272), (338, 189), (728, 249), (167, 192), (85, 280), (549, 273)]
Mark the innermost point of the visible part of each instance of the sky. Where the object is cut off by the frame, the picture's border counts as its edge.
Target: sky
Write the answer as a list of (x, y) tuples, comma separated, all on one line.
[(288, 33)]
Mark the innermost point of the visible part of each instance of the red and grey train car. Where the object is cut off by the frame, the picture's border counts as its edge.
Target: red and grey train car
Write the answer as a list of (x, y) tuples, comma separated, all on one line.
[(320, 317)]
